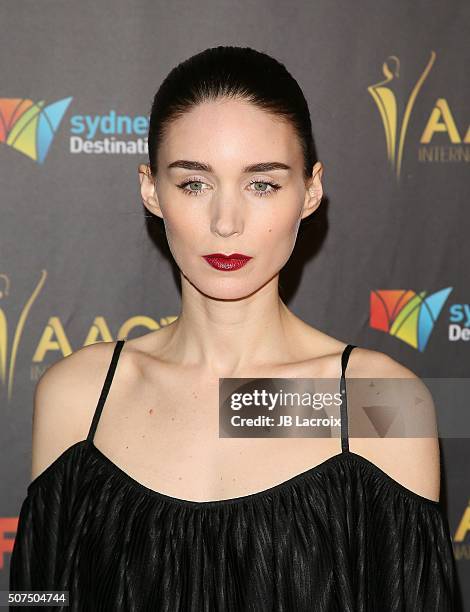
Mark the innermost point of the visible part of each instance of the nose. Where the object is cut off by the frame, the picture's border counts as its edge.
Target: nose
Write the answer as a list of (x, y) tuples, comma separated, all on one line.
[(227, 218)]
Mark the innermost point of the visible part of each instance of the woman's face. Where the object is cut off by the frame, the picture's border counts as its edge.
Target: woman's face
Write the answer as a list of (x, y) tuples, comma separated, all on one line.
[(212, 201)]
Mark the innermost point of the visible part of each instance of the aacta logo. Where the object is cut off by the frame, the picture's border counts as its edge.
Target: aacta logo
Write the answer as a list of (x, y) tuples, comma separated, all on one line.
[(407, 315), (446, 148), (30, 127), (53, 339)]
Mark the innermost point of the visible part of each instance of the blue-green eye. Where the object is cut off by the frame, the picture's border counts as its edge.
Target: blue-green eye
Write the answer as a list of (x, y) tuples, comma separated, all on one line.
[(192, 192), (265, 192)]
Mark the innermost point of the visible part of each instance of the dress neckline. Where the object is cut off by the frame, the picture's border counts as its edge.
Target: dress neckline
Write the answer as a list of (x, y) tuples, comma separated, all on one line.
[(287, 484), (263, 493)]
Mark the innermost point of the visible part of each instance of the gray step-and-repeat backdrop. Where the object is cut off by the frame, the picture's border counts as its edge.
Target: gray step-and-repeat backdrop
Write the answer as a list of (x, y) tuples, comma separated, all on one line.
[(384, 263)]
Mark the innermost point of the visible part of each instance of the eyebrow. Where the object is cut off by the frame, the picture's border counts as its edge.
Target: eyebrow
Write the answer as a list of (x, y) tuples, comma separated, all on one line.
[(202, 167)]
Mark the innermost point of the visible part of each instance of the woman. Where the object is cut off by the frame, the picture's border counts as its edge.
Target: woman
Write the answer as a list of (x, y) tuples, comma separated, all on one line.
[(142, 506)]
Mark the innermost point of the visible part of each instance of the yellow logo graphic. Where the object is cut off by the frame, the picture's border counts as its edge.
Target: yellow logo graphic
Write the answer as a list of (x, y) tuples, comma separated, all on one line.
[(386, 101), (462, 537), (53, 337), (7, 369)]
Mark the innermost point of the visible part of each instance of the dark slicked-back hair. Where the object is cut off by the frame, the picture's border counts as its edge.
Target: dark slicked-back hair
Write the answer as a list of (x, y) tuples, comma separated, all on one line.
[(231, 72)]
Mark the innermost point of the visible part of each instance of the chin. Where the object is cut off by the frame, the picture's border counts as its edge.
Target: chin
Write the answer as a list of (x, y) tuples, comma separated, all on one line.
[(227, 288)]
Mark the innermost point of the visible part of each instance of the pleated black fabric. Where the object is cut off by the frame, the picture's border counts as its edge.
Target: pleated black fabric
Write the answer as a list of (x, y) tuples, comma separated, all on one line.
[(342, 536)]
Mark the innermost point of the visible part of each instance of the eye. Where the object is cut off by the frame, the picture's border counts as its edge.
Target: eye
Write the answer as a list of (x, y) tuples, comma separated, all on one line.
[(264, 191), (192, 192), (194, 187)]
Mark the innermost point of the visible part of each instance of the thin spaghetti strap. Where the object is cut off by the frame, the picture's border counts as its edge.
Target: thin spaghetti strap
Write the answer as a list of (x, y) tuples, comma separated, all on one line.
[(344, 398), (105, 389)]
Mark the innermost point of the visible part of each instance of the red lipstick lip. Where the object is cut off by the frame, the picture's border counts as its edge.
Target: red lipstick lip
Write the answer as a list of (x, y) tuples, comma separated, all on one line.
[(220, 261), (231, 256)]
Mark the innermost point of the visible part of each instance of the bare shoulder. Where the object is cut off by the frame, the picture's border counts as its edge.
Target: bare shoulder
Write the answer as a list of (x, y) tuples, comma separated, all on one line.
[(368, 362), (412, 461), (65, 398)]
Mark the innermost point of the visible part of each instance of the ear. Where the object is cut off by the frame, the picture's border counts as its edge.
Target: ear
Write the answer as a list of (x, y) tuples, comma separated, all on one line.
[(148, 190), (313, 191)]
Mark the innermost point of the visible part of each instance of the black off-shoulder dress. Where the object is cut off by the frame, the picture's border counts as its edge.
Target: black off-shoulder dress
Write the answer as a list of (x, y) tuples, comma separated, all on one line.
[(341, 536)]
